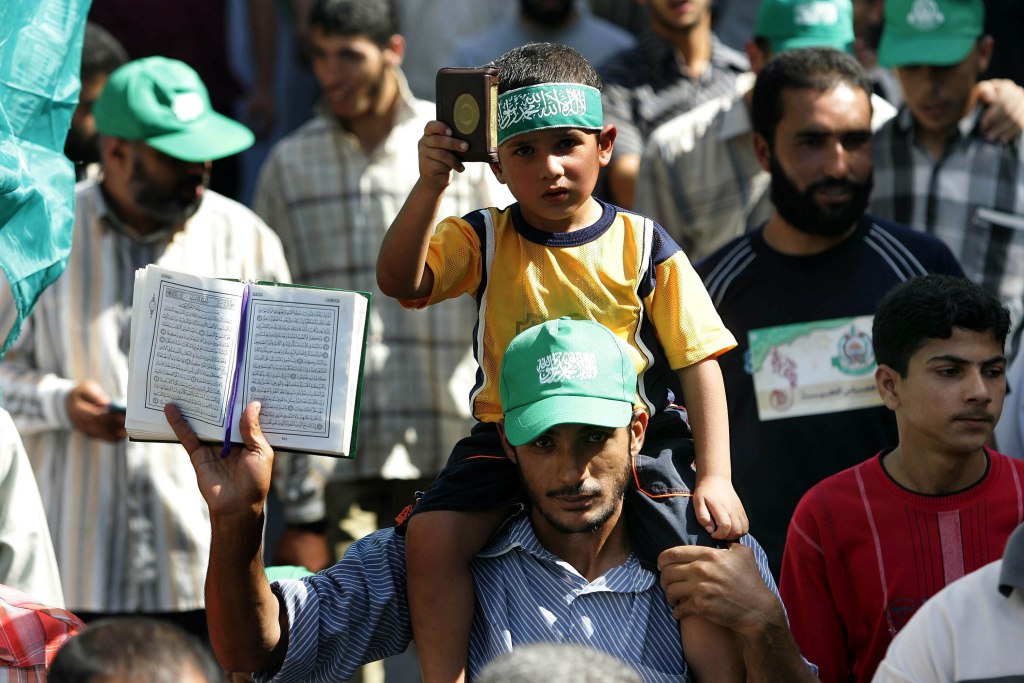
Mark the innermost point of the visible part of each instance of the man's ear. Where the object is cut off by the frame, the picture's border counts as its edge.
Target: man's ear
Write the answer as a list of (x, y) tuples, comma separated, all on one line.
[(984, 46), (509, 450), (638, 430), (887, 381), (755, 56), (605, 144), (763, 151), (395, 51), (117, 155)]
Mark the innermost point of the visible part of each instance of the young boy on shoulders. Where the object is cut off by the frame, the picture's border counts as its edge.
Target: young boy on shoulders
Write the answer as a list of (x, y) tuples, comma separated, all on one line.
[(559, 251)]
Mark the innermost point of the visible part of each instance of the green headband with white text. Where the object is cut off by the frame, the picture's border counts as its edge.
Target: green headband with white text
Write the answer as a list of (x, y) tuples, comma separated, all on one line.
[(548, 105)]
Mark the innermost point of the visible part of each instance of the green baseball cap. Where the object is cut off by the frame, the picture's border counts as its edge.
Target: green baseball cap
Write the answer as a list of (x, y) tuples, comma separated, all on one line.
[(565, 371), (931, 32), (789, 24), (163, 103)]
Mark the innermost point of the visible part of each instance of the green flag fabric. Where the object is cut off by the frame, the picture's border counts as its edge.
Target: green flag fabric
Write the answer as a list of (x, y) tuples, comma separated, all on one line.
[(40, 55)]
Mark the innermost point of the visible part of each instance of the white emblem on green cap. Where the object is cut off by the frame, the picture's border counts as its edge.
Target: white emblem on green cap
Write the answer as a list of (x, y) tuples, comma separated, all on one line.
[(187, 106), (564, 365), (816, 14), (925, 15)]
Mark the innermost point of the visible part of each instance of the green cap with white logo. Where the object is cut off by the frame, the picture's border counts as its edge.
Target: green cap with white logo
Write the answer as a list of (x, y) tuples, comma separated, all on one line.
[(930, 32), (163, 103), (565, 371), (790, 24)]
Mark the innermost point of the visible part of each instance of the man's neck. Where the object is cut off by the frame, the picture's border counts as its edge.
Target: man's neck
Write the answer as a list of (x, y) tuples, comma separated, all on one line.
[(786, 239), (692, 46), (371, 128), (926, 471), (591, 553), (543, 27)]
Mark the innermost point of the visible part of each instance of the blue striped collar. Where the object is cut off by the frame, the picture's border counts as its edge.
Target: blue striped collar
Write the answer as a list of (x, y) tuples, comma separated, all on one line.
[(517, 535)]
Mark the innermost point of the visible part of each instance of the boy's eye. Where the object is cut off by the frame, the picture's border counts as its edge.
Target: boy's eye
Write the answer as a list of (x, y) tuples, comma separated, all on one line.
[(522, 151), (542, 442)]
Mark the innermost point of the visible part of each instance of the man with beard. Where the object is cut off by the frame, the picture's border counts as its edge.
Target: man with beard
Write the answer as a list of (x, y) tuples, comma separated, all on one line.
[(869, 545), (799, 292), (101, 54), (129, 531), (563, 572), (544, 21)]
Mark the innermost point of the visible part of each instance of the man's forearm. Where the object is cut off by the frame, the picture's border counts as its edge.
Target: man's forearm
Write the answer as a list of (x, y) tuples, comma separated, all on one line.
[(770, 654), (248, 629)]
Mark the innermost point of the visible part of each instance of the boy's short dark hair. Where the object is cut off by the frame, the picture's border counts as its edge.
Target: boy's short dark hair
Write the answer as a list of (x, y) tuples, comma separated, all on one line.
[(102, 54), (537, 63), (929, 307), (814, 68), (374, 19), (132, 649)]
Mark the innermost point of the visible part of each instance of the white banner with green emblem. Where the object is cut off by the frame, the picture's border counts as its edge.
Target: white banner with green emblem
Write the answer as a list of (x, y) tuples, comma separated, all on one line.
[(813, 368)]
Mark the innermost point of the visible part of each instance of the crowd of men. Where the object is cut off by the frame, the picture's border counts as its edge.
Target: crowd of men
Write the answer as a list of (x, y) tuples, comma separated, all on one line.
[(867, 256)]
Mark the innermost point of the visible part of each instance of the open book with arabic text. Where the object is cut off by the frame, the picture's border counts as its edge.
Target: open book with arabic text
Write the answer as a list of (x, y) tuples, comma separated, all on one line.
[(212, 346)]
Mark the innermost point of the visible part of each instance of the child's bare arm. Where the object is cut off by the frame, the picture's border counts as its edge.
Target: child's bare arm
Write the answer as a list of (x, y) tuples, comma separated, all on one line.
[(401, 264), (718, 508), (439, 548), (713, 654)]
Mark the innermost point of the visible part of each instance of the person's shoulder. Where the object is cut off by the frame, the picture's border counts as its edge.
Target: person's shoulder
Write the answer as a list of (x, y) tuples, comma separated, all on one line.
[(313, 129), (696, 127), (918, 243), (292, 146), (601, 29), (235, 214), (726, 255), (628, 65), (1016, 463)]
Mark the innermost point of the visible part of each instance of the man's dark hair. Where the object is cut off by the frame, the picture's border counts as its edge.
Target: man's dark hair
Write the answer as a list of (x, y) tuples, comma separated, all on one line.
[(135, 649), (814, 68), (374, 19), (101, 52), (929, 307), (537, 63)]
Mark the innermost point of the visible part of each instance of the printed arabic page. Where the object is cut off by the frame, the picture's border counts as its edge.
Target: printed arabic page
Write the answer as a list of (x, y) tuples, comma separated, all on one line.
[(183, 346), (302, 358)]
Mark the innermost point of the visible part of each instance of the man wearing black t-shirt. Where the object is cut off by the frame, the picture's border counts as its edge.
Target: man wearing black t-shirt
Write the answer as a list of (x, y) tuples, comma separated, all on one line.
[(799, 292)]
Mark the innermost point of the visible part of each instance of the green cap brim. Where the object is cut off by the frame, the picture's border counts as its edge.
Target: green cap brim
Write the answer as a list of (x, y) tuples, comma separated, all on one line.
[(215, 137), (781, 45), (525, 424), (896, 50)]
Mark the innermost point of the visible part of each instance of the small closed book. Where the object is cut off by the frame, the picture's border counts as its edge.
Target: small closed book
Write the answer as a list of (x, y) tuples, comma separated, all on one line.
[(467, 101), (212, 346)]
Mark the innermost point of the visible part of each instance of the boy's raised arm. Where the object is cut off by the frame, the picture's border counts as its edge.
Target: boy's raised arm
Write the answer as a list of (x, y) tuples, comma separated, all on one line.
[(402, 272), (247, 626)]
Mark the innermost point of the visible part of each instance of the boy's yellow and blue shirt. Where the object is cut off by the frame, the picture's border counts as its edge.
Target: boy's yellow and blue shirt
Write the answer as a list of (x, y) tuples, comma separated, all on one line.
[(624, 271)]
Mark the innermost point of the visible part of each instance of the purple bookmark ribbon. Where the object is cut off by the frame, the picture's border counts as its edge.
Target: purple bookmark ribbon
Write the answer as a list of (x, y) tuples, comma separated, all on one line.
[(226, 449)]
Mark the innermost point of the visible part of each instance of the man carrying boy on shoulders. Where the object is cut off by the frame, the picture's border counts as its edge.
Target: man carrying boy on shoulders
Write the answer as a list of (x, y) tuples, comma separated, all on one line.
[(558, 251)]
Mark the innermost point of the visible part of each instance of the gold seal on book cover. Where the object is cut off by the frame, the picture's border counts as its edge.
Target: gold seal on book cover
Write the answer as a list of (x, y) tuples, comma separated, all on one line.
[(466, 114)]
